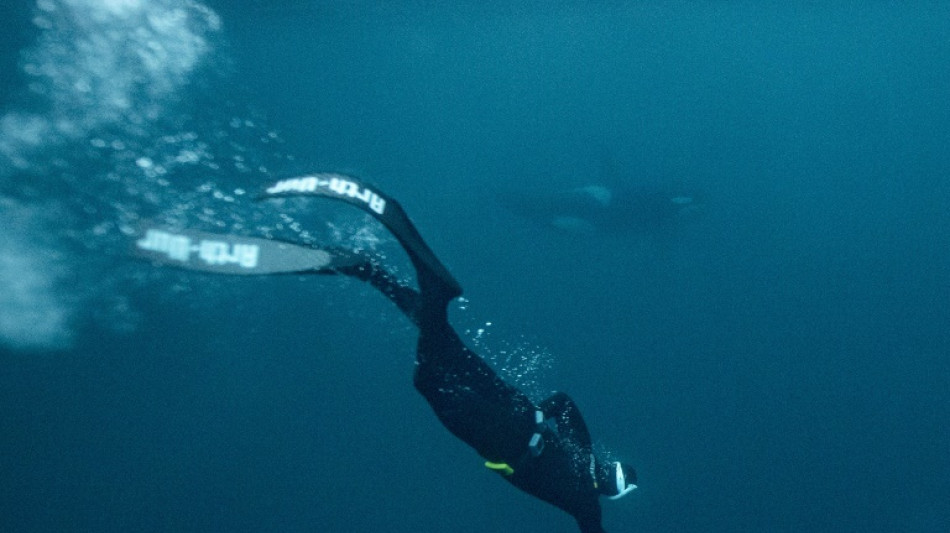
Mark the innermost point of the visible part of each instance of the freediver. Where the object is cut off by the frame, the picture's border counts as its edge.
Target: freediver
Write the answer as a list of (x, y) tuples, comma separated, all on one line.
[(544, 449)]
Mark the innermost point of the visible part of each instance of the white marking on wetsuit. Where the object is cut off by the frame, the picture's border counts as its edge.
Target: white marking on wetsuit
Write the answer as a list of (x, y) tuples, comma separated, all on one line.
[(593, 472)]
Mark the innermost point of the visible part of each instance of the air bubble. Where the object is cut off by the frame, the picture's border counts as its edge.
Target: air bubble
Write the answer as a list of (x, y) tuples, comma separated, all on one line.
[(187, 156), (42, 23)]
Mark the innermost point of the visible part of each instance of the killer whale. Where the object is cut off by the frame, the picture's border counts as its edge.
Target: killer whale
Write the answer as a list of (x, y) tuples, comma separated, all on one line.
[(598, 208)]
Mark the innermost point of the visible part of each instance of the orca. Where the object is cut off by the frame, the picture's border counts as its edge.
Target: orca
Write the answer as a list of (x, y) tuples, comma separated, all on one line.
[(597, 208)]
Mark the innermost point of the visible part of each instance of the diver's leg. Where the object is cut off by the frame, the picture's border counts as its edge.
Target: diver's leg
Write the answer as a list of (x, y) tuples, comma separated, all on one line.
[(405, 298), (468, 397), (465, 393)]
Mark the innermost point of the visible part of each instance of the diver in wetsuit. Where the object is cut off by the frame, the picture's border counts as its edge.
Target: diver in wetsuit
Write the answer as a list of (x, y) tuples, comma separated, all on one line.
[(544, 450)]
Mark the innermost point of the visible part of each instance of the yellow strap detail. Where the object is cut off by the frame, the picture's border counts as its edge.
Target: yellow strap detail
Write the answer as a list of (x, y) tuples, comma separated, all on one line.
[(501, 468)]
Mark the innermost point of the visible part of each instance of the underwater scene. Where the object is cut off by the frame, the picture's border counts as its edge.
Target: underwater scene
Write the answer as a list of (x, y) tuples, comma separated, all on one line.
[(721, 227)]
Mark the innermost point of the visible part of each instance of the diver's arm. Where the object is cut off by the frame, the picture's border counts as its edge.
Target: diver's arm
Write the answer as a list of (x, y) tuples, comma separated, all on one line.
[(568, 418)]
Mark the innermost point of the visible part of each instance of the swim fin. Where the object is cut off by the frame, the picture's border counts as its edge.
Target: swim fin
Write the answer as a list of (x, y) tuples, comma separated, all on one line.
[(232, 254), (382, 207)]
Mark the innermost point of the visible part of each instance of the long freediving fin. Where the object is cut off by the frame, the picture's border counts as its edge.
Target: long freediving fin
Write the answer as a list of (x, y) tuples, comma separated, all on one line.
[(232, 254), (381, 206), (248, 256)]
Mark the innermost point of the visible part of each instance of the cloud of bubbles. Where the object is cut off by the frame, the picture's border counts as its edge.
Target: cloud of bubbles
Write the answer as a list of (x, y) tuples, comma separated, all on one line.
[(32, 313), (100, 76), (102, 63)]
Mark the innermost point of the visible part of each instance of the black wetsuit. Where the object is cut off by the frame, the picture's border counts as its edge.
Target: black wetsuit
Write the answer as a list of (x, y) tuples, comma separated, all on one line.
[(488, 414)]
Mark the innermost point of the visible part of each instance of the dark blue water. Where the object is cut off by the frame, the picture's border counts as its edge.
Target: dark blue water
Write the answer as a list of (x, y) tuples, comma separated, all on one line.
[(777, 361)]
